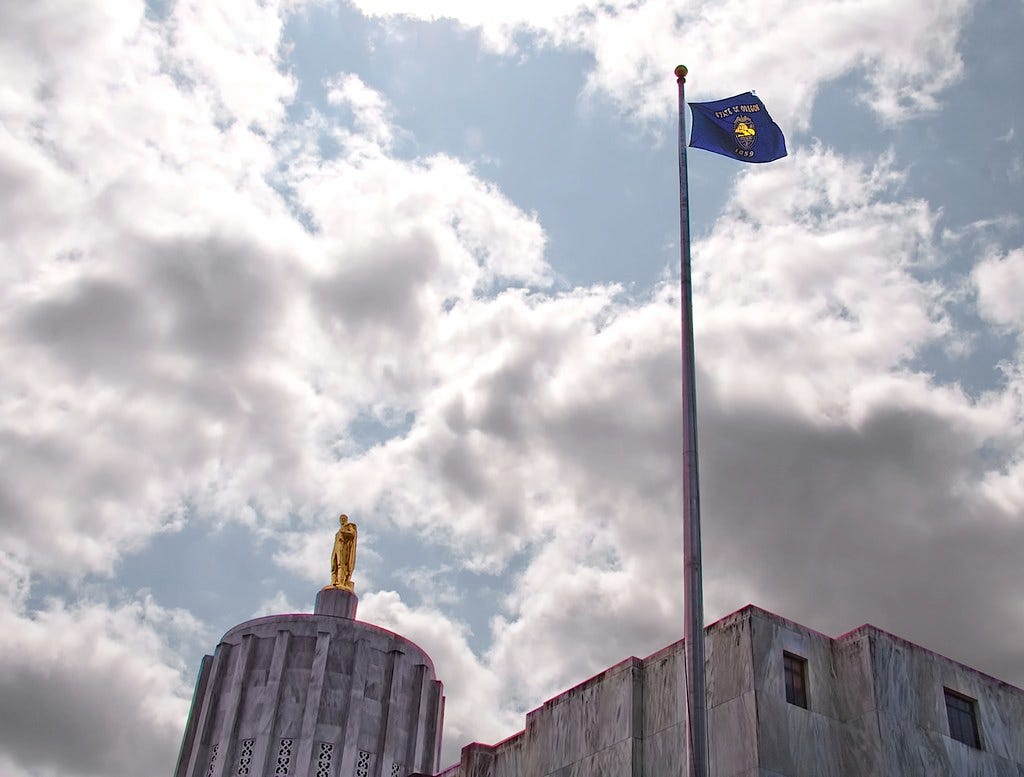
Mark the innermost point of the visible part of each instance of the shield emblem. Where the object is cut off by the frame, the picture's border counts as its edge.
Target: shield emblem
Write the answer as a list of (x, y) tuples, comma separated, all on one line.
[(744, 132)]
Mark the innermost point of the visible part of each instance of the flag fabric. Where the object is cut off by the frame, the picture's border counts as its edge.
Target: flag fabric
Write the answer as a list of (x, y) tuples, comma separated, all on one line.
[(738, 127)]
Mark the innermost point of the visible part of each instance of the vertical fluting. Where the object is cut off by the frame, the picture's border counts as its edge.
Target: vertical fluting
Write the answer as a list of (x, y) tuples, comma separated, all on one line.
[(357, 688), (272, 703), (225, 737), (388, 721), (311, 713), (414, 746), (198, 758), (188, 741)]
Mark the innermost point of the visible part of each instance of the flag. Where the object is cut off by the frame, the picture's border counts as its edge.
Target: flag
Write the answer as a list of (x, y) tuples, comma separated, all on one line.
[(737, 127)]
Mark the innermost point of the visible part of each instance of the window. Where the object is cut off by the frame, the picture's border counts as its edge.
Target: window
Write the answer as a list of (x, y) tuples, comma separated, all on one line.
[(962, 712), (796, 679)]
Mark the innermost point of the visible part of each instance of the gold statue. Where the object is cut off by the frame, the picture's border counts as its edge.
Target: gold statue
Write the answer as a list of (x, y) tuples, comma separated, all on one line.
[(343, 557)]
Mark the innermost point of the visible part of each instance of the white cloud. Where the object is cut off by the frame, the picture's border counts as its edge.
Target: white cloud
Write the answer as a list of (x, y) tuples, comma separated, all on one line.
[(908, 47), (814, 280), (233, 49), (169, 287), (498, 22), (368, 105), (91, 689), (276, 605), (1000, 284)]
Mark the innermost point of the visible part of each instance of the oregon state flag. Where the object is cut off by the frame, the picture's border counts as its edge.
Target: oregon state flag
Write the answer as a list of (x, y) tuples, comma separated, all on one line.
[(738, 127)]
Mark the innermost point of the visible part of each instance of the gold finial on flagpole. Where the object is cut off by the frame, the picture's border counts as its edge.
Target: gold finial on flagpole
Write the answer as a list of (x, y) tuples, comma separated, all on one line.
[(681, 72)]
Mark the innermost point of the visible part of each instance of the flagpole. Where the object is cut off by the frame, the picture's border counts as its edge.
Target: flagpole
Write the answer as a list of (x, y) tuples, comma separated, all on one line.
[(696, 696)]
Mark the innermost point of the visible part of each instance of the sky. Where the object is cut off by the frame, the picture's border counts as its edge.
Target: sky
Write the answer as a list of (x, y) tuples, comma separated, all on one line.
[(264, 262)]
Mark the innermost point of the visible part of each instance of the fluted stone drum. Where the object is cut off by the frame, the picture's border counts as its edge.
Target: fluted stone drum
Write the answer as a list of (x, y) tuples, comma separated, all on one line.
[(320, 695)]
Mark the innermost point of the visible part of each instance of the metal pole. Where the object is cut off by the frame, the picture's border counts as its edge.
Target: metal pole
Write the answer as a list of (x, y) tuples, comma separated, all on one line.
[(696, 696)]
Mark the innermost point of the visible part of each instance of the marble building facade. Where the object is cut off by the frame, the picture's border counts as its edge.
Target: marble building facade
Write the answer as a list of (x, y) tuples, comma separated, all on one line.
[(783, 701), (314, 696), (325, 695)]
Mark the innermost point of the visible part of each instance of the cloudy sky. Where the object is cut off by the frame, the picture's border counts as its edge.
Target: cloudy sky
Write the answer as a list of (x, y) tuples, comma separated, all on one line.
[(416, 260)]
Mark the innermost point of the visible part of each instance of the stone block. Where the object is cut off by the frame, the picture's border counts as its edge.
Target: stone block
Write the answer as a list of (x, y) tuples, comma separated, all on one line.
[(732, 736), (664, 753), (336, 602), (729, 665), (664, 679), (851, 659), (590, 717), (771, 637), (799, 742)]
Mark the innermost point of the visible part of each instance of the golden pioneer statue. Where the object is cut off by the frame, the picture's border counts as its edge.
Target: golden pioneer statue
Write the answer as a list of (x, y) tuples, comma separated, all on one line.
[(343, 557)]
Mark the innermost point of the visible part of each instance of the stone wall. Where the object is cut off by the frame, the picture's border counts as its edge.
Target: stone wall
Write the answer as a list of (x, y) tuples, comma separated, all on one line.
[(837, 734), (611, 724), (910, 683), (875, 708)]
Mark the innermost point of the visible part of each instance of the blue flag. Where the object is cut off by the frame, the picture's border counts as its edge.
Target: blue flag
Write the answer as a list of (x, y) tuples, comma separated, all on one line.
[(738, 127)]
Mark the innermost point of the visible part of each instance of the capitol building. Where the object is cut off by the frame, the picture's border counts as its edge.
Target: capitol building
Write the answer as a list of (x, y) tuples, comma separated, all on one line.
[(327, 695)]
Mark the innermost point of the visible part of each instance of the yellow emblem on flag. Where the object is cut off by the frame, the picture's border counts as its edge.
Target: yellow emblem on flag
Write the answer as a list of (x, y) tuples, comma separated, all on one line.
[(744, 132)]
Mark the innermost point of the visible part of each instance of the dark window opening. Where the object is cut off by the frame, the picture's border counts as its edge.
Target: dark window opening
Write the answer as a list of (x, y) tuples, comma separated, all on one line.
[(796, 679), (962, 712)]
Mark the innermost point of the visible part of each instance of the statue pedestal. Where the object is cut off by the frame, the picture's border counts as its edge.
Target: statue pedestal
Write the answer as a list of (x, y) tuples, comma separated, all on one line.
[(337, 602)]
